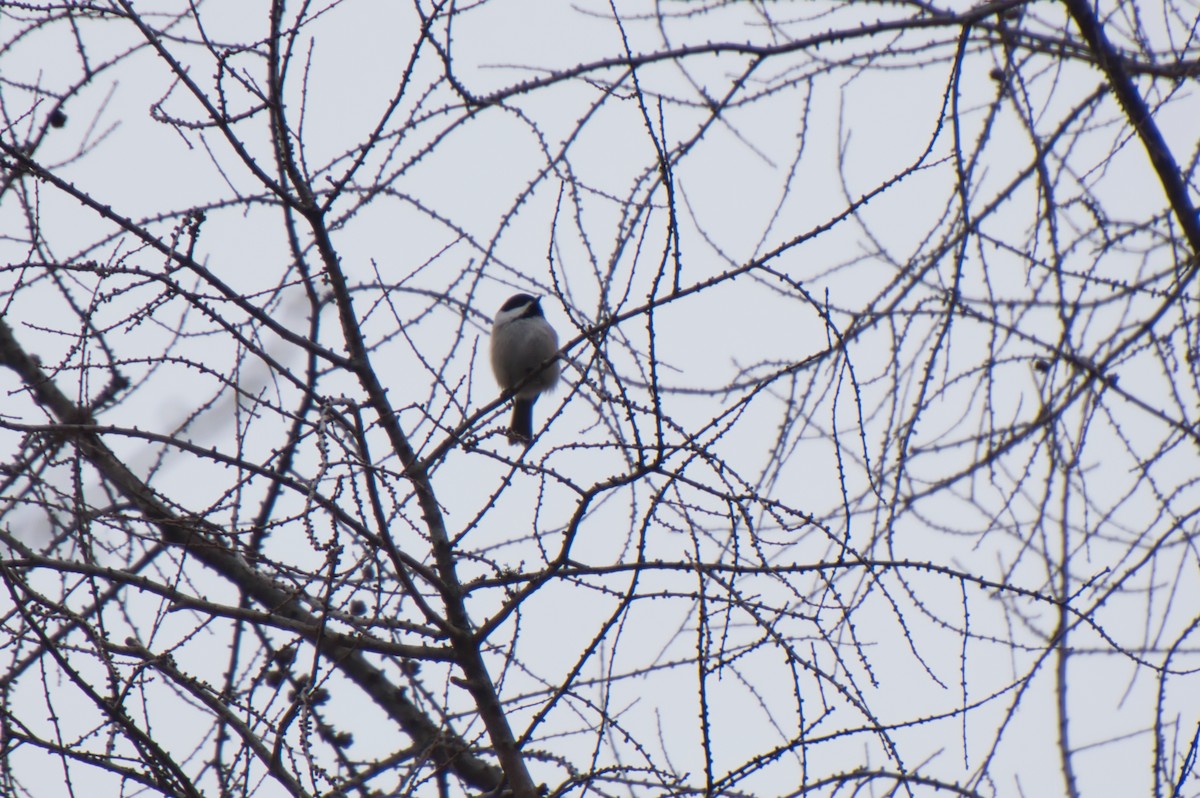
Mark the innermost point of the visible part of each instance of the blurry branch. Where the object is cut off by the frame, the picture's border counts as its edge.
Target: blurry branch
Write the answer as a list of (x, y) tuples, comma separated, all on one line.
[(201, 540), (24, 162)]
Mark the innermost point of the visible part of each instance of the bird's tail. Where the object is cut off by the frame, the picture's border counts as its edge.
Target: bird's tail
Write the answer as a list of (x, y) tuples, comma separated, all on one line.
[(521, 428)]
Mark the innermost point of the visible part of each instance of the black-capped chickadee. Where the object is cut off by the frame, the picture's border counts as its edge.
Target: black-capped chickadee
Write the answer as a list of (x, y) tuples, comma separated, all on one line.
[(523, 341)]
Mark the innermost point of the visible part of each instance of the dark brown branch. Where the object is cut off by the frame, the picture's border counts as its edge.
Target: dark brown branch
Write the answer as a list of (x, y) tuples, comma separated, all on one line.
[(1140, 116)]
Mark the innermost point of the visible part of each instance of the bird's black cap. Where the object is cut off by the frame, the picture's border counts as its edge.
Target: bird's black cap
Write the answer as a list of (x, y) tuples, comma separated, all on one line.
[(530, 303), (517, 300)]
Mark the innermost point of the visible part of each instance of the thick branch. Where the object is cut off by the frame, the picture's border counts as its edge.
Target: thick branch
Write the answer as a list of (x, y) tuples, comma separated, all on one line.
[(1169, 173), (457, 623), (202, 541)]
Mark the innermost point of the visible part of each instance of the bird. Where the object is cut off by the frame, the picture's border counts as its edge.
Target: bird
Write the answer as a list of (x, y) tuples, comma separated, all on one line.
[(524, 359)]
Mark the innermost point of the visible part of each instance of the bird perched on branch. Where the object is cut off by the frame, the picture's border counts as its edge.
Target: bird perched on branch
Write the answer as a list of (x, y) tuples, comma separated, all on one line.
[(524, 359)]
